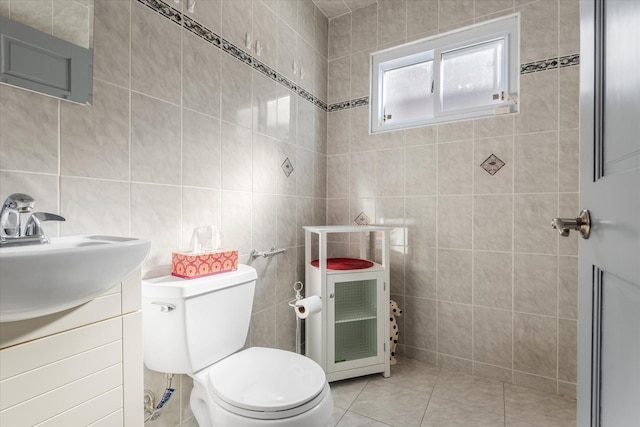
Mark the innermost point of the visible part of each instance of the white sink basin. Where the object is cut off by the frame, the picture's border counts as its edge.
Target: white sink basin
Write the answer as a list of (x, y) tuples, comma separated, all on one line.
[(43, 279)]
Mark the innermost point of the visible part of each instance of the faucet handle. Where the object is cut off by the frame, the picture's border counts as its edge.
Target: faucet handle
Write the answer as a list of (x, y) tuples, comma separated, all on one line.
[(19, 201), (34, 224)]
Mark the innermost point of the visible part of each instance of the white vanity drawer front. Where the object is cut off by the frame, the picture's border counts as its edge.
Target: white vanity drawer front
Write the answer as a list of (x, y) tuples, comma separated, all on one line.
[(58, 401), (34, 354), (92, 411), (111, 420), (104, 307), (25, 386)]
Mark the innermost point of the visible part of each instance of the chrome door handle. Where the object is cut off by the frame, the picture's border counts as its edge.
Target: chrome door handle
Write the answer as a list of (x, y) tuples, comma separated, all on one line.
[(581, 224)]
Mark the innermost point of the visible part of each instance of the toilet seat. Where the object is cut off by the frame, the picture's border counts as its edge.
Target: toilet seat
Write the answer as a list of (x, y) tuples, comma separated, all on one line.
[(267, 383)]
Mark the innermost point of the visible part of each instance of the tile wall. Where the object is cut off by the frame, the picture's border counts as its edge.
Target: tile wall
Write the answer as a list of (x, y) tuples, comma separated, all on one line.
[(486, 285), (189, 126)]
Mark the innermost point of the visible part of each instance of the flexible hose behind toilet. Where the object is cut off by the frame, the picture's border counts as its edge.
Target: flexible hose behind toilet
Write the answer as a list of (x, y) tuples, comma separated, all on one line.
[(155, 411)]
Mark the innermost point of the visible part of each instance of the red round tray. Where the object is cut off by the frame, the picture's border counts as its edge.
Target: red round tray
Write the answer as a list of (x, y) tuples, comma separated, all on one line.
[(345, 263)]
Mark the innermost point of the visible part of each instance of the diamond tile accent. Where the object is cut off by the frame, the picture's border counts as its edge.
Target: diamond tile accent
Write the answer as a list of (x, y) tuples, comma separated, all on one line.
[(492, 165), (287, 167), (362, 219)]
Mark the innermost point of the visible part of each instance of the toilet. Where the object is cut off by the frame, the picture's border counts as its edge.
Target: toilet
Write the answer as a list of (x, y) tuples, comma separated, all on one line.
[(197, 327)]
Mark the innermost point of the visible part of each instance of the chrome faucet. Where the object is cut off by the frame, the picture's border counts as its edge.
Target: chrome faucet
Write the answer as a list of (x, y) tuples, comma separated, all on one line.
[(11, 232)]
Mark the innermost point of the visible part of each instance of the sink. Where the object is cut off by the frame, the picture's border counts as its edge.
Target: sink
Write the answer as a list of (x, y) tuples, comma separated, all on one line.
[(43, 279)]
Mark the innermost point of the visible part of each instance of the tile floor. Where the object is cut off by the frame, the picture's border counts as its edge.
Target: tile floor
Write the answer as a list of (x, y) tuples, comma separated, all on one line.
[(419, 394)]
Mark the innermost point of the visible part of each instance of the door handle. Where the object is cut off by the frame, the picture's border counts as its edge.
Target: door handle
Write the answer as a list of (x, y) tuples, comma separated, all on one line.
[(581, 224)]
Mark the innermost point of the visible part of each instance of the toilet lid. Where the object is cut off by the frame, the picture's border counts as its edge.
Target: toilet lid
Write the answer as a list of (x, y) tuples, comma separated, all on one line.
[(266, 379)]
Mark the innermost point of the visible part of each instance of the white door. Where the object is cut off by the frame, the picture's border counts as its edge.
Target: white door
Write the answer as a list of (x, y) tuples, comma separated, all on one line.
[(609, 265)]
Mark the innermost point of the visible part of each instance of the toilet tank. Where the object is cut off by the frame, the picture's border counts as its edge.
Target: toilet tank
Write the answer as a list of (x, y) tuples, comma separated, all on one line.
[(188, 325)]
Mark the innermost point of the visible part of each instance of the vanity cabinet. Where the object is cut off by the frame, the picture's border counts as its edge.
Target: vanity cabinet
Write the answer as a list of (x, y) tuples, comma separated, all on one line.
[(82, 366), (350, 336)]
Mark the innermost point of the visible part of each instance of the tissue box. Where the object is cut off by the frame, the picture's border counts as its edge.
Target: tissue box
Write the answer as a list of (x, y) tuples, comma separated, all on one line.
[(189, 265)]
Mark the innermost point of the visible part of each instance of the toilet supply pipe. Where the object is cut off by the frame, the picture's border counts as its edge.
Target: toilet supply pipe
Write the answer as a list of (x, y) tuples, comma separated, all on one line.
[(154, 411)]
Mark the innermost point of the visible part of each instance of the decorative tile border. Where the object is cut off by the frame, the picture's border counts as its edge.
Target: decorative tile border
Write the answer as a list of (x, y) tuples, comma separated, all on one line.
[(218, 41)]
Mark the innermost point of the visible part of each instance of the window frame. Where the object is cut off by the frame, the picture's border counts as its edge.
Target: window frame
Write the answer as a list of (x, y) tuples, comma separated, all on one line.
[(432, 48)]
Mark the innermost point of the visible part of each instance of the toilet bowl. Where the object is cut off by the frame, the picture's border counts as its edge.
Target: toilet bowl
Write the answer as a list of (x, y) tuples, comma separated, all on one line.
[(198, 326), (275, 387)]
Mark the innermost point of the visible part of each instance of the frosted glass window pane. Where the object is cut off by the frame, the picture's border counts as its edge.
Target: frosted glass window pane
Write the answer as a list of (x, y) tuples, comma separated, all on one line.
[(472, 76), (407, 92)]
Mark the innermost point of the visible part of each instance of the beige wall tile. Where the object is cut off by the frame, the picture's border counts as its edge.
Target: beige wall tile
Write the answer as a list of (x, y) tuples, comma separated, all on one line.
[(360, 138), (235, 220), (420, 320), (261, 331), (362, 175), (456, 131), (28, 131), (420, 220), (288, 11), (568, 161), (236, 92), (155, 54), (339, 80), (321, 33), (569, 97), (390, 184), (236, 22), (455, 168), (539, 30), (91, 146), (454, 11), (236, 158), (200, 76), (492, 279), (538, 103), (422, 16), (493, 372), (454, 276), (338, 176), (265, 165), (492, 336), (155, 141), (112, 41), (421, 136), (360, 74), (493, 223), (535, 344), (94, 207), (535, 284), (264, 22), (486, 7), (264, 109), (340, 37), (364, 28), (455, 329), (567, 350), (201, 151), (536, 163), (568, 287), (533, 234), (421, 170), (392, 24), (154, 217), (569, 29), (287, 51), (306, 20), (338, 132), (454, 222), (420, 272)]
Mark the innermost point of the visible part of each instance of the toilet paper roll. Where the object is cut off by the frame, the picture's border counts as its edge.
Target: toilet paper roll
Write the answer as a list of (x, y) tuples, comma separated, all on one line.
[(308, 306)]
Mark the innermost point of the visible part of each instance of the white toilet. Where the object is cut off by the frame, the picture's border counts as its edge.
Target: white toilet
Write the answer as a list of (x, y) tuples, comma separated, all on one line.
[(196, 326)]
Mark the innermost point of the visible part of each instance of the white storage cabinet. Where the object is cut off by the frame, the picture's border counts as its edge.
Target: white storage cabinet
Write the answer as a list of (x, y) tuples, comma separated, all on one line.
[(350, 336)]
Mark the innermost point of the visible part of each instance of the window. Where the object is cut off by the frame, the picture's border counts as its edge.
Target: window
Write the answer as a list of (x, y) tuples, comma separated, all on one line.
[(464, 74)]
